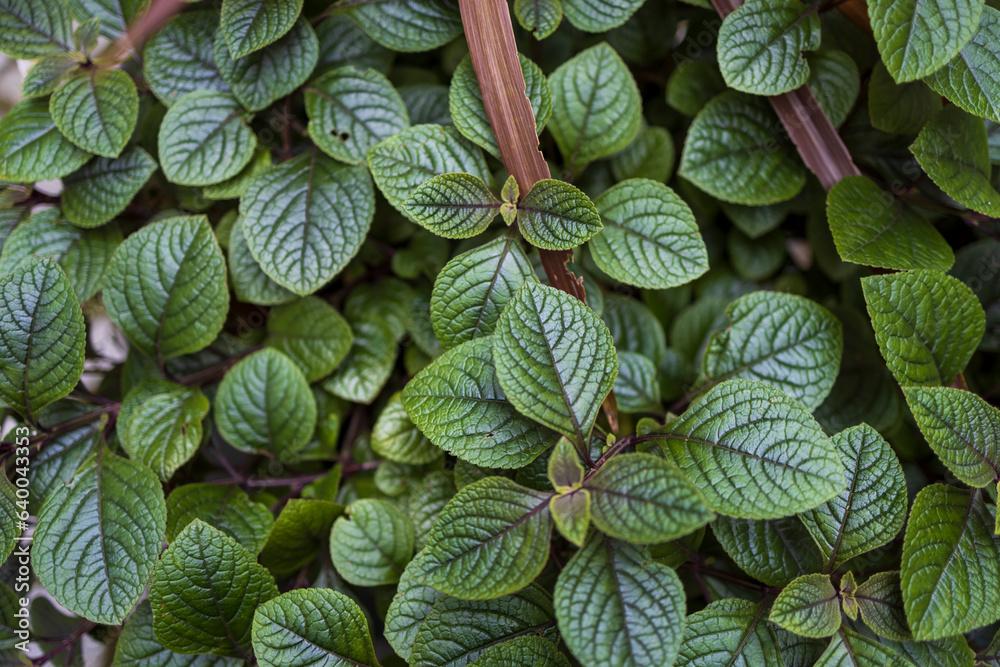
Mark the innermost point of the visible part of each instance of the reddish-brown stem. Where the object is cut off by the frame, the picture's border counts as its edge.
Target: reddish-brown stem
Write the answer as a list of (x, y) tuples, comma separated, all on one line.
[(154, 18)]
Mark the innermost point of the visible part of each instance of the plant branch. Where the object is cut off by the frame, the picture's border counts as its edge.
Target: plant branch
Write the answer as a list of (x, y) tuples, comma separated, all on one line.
[(154, 18)]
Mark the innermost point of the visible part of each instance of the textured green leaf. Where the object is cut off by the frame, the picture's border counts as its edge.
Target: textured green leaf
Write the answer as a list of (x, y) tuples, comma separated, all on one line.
[(264, 405), (114, 15), (870, 512), (971, 79), (634, 327), (835, 81), (754, 452), (250, 283), (82, 254), (555, 360), (637, 389), (250, 25), (56, 464), (761, 43), (102, 189), (263, 77), (557, 216), (782, 339), (641, 498), (97, 110), (47, 74), (539, 17), (299, 534), (427, 500), (729, 632), (370, 362), (951, 563), (927, 324), (774, 551), (305, 219), (752, 166), (899, 108), (615, 607), (599, 15), (848, 649), (226, 508), (137, 646), (525, 650), (10, 530), (372, 544), (755, 259), (395, 437), (404, 161), (179, 59), (880, 601), (650, 155), (236, 187), (427, 103), (168, 308), (455, 206), (465, 102), (948, 652), (490, 540), (596, 106), (411, 604), (808, 606), (409, 25), (310, 333), (98, 538), (163, 426), (692, 84), (42, 337), (342, 42), (204, 139), (571, 514), (31, 146), (33, 28), (350, 110), (650, 237), (916, 38), (204, 592), (871, 227), (962, 429), (952, 149)]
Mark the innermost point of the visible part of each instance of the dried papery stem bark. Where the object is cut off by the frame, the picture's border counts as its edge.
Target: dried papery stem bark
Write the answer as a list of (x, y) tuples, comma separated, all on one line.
[(815, 137), (494, 57)]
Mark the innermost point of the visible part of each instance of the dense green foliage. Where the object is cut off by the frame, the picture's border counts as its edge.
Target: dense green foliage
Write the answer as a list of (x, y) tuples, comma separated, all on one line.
[(290, 373)]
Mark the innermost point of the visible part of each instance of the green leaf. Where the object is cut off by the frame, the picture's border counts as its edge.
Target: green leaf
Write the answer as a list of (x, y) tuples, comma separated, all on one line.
[(31, 146), (411, 604), (456, 632), (952, 149), (754, 167), (555, 359), (225, 508), (163, 429), (835, 81), (472, 289), (83, 255), (951, 563), (426, 103), (33, 28), (396, 438), (342, 42), (525, 650), (650, 238), (754, 452), (465, 102), (948, 652), (372, 545), (370, 362), (56, 464), (409, 25), (599, 15), (850, 648), (204, 139), (457, 402), (636, 387), (250, 283), (729, 632), (179, 59), (310, 333), (311, 627), (916, 38), (571, 514), (927, 324), (11, 514), (47, 74), (539, 17), (455, 206), (557, 216), (650, 155), (962, 429), (300, 533), (263, 77), (98, 538), (899, 108), (615, 606), (401, 163), (137, 646), (103, 188), (785, 340), (204, 592), (264, 405), (236, 187), (250, 25), (114, 16), (596, 106), (761, 43), (971, 80), (808, 606), (305, 219), (641, 498), (351, 110), (755, 259), (168, 308), (426, 501), (774, 551), (871, 227), (692, 84), (97, 110), (880, 601), (491, 539), (870, 512), (42, 337)]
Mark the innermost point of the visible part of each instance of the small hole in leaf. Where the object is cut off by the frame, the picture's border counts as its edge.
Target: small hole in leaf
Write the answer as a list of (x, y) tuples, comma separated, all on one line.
[(343, 136)]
